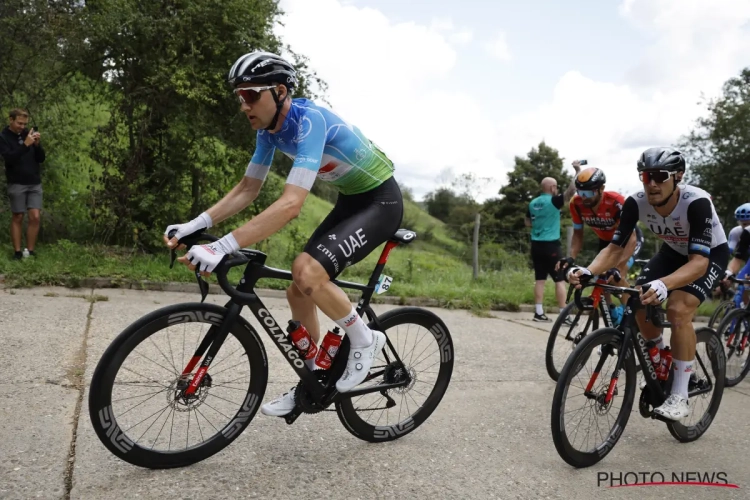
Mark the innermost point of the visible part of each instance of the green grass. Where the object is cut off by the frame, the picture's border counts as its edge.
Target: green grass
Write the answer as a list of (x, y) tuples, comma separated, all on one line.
[(432, 267)]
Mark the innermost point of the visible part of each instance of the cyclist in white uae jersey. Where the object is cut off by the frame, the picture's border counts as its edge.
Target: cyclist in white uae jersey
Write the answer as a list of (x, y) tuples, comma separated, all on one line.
[(693, 256), (368, 211)]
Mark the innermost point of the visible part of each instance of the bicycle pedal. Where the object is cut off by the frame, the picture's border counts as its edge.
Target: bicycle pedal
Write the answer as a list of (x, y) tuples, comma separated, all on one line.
[(291, 417)]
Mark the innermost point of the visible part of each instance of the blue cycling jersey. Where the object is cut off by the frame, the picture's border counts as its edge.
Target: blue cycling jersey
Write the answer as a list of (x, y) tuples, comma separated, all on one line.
[(322, 146)]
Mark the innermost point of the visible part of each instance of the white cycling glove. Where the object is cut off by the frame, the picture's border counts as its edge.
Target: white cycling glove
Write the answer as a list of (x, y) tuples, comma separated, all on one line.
[(207, 257), (728, 274), (203, 221), (583, 272), (660, 289)]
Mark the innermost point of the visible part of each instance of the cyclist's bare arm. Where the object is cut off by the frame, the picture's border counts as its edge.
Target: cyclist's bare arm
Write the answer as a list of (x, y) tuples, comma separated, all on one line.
[(239, 198), (570, 191), (273, 218)]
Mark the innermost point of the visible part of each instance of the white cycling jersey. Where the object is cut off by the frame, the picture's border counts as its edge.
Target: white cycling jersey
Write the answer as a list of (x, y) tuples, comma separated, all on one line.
[(693, 227)]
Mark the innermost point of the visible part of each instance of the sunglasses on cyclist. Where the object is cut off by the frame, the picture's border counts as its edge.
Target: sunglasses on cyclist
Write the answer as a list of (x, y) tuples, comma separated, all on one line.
[(657, 176), (584, 193), (251, 95)]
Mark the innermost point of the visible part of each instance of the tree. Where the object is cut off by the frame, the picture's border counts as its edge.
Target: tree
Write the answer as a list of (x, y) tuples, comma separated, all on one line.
[(175, 142), (718, 149), (505, 215)]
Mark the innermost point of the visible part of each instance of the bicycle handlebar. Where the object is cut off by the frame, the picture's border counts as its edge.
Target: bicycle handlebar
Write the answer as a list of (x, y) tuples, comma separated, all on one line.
[(221, 270), (739, 281), (652, 312)]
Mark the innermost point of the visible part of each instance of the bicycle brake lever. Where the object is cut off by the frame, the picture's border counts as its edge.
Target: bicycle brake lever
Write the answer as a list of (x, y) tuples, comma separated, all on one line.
[(202, 285)]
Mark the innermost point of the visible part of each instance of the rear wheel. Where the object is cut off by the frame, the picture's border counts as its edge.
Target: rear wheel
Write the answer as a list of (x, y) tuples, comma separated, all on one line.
[(720, 312), (425, 350), (706, 391)]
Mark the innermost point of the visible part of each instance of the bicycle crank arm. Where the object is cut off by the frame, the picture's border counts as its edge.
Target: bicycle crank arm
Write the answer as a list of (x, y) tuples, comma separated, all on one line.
[(367, 390)]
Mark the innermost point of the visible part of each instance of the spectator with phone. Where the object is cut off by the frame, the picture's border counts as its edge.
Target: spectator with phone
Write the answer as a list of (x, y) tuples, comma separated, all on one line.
[(23, 154), (543, 217)]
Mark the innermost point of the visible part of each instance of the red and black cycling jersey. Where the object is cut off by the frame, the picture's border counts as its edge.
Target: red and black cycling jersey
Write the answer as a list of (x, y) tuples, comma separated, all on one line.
[(604, 220)]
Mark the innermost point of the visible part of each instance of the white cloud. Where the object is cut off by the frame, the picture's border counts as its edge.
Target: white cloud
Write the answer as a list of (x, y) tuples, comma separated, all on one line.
[(388, 79), (697, 46), (498, 48)]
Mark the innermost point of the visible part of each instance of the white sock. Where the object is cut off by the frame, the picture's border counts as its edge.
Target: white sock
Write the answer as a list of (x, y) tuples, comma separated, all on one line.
[(539, 309), (356, 329), (682, 371), (659, 341)]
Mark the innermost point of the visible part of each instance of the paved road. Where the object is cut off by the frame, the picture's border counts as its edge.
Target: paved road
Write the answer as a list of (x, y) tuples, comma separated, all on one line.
[(490, 437)]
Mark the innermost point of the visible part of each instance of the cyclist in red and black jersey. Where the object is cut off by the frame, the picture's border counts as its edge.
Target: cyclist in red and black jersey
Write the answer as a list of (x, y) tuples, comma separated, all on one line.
[(600, 210)]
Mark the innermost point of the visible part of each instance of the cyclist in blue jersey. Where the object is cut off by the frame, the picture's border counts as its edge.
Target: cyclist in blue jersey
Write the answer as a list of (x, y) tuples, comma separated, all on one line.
[(741, 248), (368, 211)]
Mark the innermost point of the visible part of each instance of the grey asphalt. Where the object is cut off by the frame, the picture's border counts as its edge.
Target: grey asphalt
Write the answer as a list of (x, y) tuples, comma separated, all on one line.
[(489, 438)]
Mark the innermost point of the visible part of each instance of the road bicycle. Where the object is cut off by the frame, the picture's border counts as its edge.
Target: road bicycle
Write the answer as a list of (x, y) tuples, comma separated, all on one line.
[(730, 304), (604, 385), (566, 332), (183, 382), (734, 331)]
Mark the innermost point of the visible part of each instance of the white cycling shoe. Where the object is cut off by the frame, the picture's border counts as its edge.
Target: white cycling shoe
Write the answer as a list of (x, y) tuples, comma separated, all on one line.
[(280, 406), (359, 363), (674, 408)]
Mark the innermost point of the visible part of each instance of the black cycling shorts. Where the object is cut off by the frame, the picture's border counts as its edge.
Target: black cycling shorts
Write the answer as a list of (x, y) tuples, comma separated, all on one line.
[(545, 256), (356, 226), (667, 260)]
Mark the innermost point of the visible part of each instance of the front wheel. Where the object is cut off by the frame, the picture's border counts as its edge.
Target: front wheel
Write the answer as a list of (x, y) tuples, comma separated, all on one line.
[(707, 385), (586, 421), (139, 404), (425, 350)]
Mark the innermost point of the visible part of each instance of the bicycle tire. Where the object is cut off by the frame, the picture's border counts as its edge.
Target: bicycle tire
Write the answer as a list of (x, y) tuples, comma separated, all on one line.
[(686, 434), (572, 366), (349, 416), (736, 315), (592, 320), (103, 417), (720, 313)]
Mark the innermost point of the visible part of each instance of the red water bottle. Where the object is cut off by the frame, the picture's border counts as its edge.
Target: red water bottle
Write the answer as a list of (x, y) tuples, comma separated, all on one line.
[(666, 362), (328, 349), (653, 352), (302, 341)]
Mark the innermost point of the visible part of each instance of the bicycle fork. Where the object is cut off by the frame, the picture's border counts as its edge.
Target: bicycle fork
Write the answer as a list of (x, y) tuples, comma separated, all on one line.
[(211, 342)]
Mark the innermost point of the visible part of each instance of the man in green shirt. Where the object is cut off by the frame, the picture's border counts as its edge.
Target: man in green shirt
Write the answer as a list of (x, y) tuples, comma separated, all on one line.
[(543, 217)]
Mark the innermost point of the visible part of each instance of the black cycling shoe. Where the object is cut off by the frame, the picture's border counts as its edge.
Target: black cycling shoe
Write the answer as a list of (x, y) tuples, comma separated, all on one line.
[(541, 318)]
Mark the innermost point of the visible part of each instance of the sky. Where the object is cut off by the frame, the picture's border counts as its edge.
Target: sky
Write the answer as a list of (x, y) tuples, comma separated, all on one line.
[(448, 87)]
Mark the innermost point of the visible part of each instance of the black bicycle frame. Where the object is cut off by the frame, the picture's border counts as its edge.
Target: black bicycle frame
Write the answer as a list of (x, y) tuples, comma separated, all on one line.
[(631, 336), (244, 295)]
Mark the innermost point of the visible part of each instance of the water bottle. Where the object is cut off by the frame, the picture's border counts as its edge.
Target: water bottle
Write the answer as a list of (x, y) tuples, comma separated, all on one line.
[(328, 349), (655, 356), (303, 342), (666, 360)]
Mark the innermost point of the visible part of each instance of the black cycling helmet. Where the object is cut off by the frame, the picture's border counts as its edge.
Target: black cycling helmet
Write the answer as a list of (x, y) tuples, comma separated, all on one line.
[(590, 179), (661, 159), (264, 67)]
